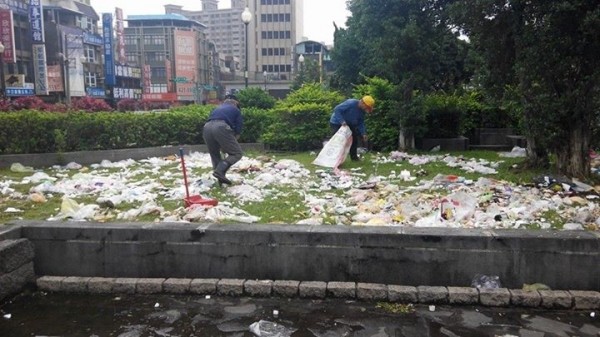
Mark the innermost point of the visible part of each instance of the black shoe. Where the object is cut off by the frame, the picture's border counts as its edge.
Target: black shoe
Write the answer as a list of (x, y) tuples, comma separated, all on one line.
[(220, 171)]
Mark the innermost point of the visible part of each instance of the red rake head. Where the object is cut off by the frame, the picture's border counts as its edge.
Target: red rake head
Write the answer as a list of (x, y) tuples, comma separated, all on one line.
[(199, 201)]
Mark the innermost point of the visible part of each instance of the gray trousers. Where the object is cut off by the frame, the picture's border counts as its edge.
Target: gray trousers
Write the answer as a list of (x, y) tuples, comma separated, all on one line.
[(218, 137)]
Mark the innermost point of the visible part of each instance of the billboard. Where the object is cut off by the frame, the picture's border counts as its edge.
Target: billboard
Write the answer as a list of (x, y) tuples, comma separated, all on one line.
[(55, 79), (39, 69), (120, 31), (185, 63), (73, 49), (36, 21), (109, 58), (7, 35)]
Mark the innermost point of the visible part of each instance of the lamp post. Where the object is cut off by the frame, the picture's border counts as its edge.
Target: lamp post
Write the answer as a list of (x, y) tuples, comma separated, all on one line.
[(300, 63), (83, 59), (265, 78), (246, 18), (3, 85), (67, 81)]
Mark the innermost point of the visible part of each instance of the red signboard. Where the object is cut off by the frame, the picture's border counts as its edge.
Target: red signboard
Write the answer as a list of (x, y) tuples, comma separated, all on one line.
[(7, 36), (167, 96), (147, 79)]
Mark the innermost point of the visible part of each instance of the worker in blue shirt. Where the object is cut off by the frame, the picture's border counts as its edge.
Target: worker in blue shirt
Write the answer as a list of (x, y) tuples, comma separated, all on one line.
[(221, 133), (351, 112)]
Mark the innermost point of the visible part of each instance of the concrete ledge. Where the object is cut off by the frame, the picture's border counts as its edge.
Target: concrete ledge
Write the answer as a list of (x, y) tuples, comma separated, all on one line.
[(259, 288), (524, 298), (314, 289), (463, 295), (286, 288), (376, 255), (555, 299)]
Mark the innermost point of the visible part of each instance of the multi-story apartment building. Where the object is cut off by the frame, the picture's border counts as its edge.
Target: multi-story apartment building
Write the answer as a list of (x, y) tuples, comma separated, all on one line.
[(178, 63), (50, 49), (276, 27)]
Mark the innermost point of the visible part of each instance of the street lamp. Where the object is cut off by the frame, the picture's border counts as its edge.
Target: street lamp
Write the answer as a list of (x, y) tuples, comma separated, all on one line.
[(3, 85), (67, 82), (300, 62), (265, 77), (246, 18)]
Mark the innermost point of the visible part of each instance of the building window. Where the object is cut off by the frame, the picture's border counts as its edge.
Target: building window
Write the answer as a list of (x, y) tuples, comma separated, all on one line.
[(90, 53), (154, 40), (90, 79), (159, 72), (154, 57), (158, 88)]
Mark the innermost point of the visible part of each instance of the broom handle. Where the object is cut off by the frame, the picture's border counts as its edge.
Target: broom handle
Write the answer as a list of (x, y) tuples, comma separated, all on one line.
[(187, 193)]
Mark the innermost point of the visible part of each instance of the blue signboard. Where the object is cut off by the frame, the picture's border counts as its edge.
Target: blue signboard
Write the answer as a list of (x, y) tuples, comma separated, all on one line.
[(36, 20), (94, 91), (16, 6), (109, 57), (91, 38), (20, 92)]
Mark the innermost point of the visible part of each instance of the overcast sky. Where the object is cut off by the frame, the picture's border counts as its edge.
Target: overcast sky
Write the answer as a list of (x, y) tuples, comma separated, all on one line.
[(318, 14)]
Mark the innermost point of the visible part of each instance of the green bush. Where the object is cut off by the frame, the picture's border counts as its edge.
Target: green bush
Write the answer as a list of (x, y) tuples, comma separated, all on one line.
[(441, 115), (301, 121), (29, 131), (298, 128), (384, 123), (255, 97)]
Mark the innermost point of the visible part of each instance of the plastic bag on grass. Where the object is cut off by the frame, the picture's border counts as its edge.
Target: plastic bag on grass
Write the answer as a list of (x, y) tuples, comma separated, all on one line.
[(335, 151)]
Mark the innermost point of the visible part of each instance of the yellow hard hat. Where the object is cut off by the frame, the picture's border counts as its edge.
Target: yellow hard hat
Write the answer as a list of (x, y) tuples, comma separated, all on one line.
[(369, 102)]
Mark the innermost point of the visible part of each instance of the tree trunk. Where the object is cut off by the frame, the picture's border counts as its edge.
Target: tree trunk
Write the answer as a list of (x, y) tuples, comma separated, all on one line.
[(572, 156), (406, 140), (537, 156)]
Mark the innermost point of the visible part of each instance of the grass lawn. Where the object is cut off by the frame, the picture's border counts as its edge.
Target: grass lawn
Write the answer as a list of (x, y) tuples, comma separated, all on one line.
[(279, 203)]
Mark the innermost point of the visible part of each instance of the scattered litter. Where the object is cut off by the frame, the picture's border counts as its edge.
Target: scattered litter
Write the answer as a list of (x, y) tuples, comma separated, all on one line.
[(275, 313), (486, 282), (157, 305), (516, 152), (432, 308), (207, 297), (18, 167), (592, 314), (264, 328), (7, 316), (535, 287), (347, 197)]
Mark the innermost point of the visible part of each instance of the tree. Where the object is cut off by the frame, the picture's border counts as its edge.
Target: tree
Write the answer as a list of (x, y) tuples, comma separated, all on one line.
[(255, 97), (549, 51), (309, 72)]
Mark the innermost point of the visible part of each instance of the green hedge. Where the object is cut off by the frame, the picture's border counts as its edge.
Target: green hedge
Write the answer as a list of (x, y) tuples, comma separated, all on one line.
[(30, 131)]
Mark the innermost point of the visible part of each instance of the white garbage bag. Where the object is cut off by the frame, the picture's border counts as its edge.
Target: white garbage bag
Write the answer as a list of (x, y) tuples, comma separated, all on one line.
[(335, 151)]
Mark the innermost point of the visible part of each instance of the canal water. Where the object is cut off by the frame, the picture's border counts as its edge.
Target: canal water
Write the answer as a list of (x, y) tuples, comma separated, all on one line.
[(49, 314)]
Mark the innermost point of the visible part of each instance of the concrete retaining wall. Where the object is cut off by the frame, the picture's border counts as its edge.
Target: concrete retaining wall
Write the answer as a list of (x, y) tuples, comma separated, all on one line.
[(16, 265), (383, 255)]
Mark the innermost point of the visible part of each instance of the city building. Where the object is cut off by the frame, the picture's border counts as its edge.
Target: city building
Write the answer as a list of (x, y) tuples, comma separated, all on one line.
[(50, 48), (317, 52), (178, 63), (276, 26)]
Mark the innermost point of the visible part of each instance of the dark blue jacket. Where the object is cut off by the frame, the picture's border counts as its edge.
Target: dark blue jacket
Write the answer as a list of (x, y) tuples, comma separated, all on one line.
[(349, 112), (229, 113)]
